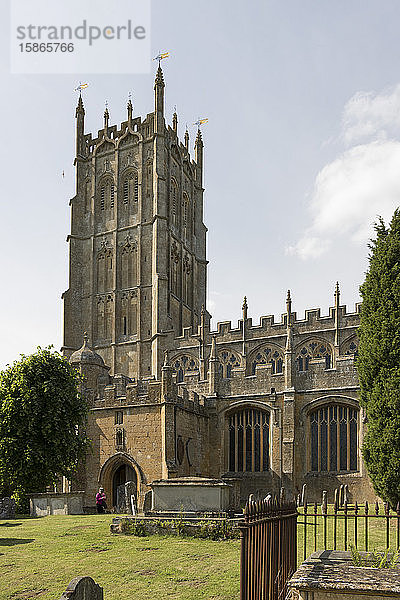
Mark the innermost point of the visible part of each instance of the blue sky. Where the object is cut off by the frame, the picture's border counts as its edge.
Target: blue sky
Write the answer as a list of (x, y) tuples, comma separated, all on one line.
[(302, 152)]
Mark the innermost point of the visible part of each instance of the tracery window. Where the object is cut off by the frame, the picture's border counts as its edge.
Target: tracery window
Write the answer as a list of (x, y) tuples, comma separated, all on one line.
[(184, 365), (267, 356), (334, 438), (248, 440), (314, 350), (228, 360), (350, 347)]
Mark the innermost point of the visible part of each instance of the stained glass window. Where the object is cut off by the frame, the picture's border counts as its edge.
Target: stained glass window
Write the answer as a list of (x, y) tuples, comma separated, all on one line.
[(248, 440), (334, 439)]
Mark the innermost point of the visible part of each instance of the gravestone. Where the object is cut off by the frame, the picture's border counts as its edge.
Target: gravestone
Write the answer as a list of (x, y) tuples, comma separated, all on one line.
[(83, 588), (7, 508), (124, 496)]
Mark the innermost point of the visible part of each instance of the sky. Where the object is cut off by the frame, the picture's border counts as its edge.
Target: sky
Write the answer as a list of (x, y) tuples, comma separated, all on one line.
[(302, 153)]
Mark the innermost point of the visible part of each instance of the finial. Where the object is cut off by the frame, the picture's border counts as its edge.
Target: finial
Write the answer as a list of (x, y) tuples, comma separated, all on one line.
[(203, 310), (244, 308), (175, 121), (159, 77), (288, 303), (186, 139), (130, 107), (106, 116), (80, 108), (85, 339), (199, 138)]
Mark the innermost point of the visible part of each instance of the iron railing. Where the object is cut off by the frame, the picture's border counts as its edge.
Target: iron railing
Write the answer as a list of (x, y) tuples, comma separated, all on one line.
[(367, 526), (268, 548)]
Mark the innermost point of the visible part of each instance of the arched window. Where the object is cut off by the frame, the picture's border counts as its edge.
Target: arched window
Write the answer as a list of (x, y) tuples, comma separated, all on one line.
[(334, 438), (248, 439), (267, 356), (184, 365), (107, 194), (174, 203), (314, 350), (227, 361), (130, 188), (128, 275), (350, 347)]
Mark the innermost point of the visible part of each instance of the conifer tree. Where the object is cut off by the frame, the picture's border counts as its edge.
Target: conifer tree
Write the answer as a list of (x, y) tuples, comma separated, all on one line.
[(378, 363)]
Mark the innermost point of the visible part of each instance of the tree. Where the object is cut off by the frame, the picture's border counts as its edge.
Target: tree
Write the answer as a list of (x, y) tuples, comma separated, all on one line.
[(42, 423), (378, 364)]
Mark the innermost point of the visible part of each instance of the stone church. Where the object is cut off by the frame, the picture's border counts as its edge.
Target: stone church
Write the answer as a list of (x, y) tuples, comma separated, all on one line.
[(256, 405)]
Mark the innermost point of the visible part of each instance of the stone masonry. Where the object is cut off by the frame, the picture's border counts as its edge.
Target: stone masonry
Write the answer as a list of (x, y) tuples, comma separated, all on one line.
[(259, 405)]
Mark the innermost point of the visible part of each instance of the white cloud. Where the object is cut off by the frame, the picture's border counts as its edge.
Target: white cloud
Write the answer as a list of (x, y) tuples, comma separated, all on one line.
[(370, 115), (363, 182)]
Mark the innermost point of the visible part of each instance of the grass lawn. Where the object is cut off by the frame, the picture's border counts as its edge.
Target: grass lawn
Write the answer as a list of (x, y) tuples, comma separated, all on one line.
[(39, 557)]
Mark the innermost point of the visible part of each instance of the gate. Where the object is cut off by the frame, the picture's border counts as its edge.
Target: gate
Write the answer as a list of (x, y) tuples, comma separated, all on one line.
[(268, 548)]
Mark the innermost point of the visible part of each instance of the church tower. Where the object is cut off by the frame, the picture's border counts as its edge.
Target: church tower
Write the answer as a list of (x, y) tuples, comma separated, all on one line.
[(137, 248)]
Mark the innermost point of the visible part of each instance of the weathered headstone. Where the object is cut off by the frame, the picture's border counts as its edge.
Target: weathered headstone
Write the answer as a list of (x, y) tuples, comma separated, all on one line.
[(124, 495), (83, 588), (7, 508)]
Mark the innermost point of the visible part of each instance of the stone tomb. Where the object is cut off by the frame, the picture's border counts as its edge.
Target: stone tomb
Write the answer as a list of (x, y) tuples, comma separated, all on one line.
[(190, 494), (331, 575), (49, 503)]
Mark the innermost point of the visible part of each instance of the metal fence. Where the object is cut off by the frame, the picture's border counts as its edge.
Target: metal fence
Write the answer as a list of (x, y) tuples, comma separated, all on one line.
[(268, 548), (367, 526)]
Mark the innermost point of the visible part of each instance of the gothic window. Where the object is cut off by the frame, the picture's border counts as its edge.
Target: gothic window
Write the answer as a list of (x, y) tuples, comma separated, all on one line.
[(128, 265), (314, 350), (130, 188), (174, 203), (112, 195), (248, 441), (119, 417), (109, 317), (268, 356), (350, 347), (227, 361), (119, 438), (101, 260), (128, 314), (184, 365), (100, 319), (334, 438), (185, 217), (107, 194)]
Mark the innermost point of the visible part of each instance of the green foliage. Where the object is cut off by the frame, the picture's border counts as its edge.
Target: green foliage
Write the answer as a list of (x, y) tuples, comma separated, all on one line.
[(378, 364), (206, 529), (133, 527), (42, 423), (378, 560)]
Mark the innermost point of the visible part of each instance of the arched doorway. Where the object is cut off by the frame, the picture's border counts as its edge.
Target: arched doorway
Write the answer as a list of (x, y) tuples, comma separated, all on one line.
[(118, 470)]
